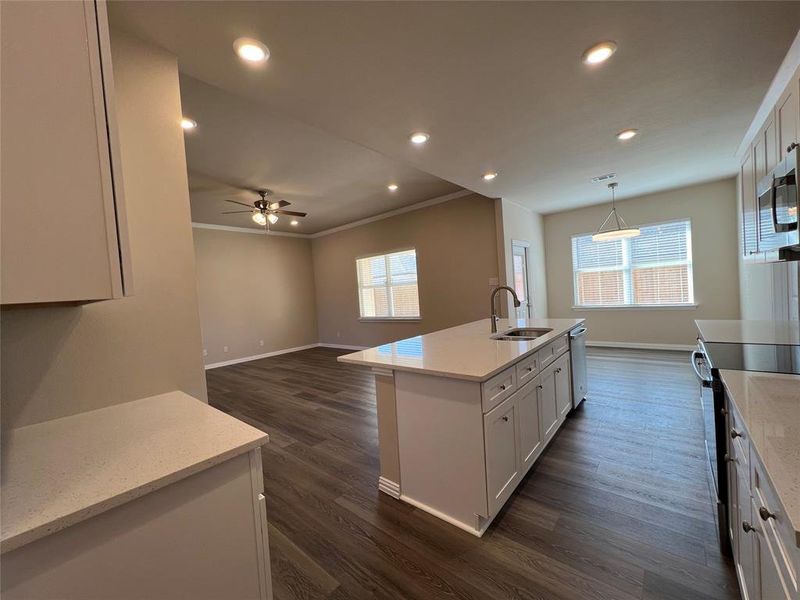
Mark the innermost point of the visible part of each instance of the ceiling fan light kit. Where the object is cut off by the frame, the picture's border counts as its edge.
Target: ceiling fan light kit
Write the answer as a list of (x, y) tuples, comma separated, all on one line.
[(265, 213), (614, 227)]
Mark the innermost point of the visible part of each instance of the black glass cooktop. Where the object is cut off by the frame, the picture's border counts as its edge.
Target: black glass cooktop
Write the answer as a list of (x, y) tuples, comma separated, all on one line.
[(754, 357)]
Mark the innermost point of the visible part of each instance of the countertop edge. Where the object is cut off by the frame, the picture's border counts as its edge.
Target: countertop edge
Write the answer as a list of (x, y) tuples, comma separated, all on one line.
[(19, 540), (795, 525)]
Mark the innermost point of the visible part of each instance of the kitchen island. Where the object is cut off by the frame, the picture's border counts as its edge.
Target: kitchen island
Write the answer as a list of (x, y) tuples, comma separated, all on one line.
[(462, 415)]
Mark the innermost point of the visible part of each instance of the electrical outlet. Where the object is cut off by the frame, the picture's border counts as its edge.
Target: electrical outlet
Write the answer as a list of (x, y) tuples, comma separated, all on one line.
[(261, 343), (224, 348), (205, 352)]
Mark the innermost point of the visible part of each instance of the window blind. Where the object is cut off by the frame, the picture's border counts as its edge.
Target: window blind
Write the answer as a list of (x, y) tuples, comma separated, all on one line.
[(652, 269), (387, 285)]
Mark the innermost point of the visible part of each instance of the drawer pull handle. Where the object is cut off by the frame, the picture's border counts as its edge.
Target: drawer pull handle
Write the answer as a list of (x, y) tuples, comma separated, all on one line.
[(723, 412), (735, 434), (503, 387), (539, 387), (558, 370), (530, 369), (729, 458), (505, 418), (747, 528), (764, 513)]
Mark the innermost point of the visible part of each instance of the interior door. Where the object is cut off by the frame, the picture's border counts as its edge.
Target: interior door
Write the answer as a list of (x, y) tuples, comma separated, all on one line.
[(519, 256)]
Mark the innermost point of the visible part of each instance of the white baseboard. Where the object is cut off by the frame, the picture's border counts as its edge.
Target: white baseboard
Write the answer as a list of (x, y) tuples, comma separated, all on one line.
[(342, 346), (389, 487), (236, 361), (445, 517), (638, 346)]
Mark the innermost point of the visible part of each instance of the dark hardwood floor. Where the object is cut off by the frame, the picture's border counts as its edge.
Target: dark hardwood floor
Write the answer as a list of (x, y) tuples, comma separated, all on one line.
[(616, 508)]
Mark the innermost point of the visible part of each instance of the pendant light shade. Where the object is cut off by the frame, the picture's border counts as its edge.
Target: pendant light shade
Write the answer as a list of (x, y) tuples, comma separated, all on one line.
[(614, 227)]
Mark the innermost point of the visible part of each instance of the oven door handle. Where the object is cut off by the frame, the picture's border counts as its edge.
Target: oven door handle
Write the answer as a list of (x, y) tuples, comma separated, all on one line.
[(695, 355)]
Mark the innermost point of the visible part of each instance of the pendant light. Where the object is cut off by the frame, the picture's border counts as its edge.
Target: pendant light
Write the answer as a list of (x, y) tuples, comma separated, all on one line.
[(614, 227)]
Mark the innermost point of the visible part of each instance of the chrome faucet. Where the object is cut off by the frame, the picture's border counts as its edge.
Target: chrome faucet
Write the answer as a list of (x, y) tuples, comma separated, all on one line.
[(493, 317)]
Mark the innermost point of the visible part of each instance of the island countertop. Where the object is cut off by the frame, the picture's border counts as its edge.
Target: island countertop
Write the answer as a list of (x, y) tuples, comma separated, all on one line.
[(770, 407), (749, 332), (462, 352), (58, 473)]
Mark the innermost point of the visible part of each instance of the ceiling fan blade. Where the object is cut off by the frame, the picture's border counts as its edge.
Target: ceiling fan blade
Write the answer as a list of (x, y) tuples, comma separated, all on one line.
[(289, 212), (250, 206), (234, 212), (278, 204)]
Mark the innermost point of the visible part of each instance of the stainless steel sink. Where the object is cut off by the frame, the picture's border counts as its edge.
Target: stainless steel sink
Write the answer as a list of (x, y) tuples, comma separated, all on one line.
[(520, 334)]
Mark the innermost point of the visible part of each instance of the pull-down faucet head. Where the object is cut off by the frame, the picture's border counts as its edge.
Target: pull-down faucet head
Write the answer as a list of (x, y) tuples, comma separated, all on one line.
[(493, 313)]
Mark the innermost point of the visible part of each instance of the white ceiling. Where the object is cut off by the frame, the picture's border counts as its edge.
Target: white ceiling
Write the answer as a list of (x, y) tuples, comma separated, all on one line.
[(240, 143), (499, 85)]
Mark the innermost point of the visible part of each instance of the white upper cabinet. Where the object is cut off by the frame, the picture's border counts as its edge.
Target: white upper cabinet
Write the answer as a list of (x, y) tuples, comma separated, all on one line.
[(787, 115), (62, 215)]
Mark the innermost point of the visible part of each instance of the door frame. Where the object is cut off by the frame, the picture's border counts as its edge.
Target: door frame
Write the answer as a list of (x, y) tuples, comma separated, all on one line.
[(525, 245)]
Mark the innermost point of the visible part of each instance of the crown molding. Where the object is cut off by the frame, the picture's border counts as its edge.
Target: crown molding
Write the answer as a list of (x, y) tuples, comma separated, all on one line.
[(346, 226), (247, 230), (395, 212)]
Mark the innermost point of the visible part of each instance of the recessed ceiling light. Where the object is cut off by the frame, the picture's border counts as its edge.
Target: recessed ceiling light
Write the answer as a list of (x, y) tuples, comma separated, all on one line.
[(627, 134), (392, 187), (489, 176), (251, 50), (294, 223), (419, 137), (599, 53), (188, 124)]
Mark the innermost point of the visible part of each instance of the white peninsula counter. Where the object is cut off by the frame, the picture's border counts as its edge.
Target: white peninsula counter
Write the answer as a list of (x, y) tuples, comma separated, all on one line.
[(463, 416)]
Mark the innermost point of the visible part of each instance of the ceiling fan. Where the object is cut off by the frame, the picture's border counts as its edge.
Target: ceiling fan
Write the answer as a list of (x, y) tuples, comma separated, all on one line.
[(263, 210)]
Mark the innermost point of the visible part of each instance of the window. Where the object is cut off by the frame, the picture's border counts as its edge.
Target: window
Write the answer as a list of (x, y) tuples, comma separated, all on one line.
[(652, 269), (387, 286)]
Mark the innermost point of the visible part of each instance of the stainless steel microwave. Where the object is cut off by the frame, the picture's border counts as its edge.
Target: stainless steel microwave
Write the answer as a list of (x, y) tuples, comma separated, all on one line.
[(778, 210)]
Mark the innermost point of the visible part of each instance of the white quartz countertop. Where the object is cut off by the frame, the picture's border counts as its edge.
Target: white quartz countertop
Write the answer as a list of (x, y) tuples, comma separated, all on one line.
[(770, 407), (749, 332), (463, 352), (58, 473)]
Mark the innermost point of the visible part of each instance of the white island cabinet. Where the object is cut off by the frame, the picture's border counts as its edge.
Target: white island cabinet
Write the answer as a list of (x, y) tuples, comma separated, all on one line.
[(160, 498), (463, 416)]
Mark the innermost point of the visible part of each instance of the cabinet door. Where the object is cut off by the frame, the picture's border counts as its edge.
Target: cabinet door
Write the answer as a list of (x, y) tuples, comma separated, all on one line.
[(502, 451), (531, 441), (787, 114), (548, 410), (747, 190), (771, 584), (60, 222), (770, 145), (563, 385), (745, 557)]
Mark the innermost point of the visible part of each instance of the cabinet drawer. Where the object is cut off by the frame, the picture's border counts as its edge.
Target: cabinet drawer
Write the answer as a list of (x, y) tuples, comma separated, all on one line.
[(553, 350), (527, 369), (768, 513), (498, 388)]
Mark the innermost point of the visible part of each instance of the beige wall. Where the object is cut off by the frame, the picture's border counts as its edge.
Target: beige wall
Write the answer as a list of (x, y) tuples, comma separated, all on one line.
[(522, 224), (64, 360), (456, 247), (712, 210), (253, 288)]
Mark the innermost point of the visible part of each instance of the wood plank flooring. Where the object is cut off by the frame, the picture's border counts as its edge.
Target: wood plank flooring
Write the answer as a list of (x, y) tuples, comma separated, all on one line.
[(617, 507)]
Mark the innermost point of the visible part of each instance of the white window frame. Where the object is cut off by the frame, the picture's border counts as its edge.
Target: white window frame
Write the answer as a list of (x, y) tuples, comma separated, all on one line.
[(386, 254), (627, 271)]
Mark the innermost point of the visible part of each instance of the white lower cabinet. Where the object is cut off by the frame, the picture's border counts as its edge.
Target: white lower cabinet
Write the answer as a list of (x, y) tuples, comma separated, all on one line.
[(563, 385), (502, 452), (531, 439), (548, 409), (764, 546)]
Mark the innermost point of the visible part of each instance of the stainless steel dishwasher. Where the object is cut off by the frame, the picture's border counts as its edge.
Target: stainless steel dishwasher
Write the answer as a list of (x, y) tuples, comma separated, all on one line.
[(577, 348)]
